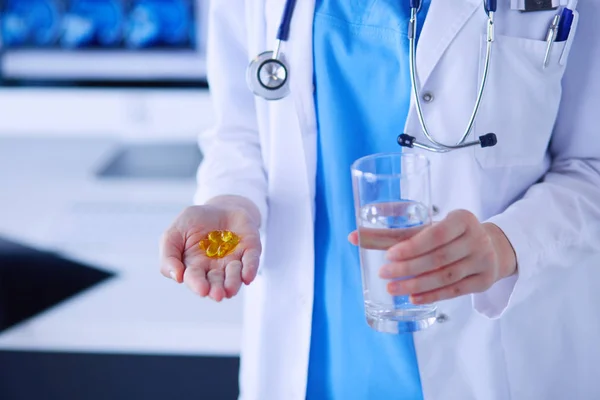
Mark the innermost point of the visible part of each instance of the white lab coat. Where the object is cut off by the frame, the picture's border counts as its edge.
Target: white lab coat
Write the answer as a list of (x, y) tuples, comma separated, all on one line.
[(535, 336)]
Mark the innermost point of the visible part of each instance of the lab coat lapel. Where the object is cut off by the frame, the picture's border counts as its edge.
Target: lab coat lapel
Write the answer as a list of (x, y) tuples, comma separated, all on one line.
[(291, 159), (443, 22), (255, 24), (300, 59), (298, 52), (300, 56)]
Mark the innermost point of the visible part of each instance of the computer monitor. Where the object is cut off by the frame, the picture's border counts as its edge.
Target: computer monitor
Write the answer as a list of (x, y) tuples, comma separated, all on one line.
[(103, 41)]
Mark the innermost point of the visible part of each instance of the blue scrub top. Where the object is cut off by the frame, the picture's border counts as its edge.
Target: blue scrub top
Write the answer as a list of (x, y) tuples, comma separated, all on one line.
[(362, 97)]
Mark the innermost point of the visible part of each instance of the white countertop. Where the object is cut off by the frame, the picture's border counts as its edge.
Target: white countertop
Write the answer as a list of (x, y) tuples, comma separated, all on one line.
[(51, 200)]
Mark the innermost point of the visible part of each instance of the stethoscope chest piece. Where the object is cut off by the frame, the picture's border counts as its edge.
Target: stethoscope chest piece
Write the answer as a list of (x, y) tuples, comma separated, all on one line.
[(267, 76)]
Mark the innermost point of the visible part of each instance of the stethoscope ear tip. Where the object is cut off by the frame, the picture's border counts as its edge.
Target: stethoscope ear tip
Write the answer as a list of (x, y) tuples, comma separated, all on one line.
[(405, 140), (488, 140)]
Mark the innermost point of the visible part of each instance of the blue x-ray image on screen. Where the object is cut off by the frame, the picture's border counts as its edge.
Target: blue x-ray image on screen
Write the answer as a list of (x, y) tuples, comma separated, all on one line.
[(160, 22), (99, 24), (88, 23), (30, 23)]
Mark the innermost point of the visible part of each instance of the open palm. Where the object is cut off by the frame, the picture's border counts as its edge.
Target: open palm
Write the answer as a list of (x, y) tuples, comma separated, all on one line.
[(184, 261)]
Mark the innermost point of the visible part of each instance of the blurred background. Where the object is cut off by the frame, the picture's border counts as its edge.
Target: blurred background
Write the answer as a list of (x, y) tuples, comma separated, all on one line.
[(101, 103)]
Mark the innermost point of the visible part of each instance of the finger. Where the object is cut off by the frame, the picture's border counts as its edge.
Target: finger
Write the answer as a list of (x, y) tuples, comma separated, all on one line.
[(171, 255), (250, 264), (233, 278), (441, 257), (383, 239), (472, 284), (216, 279), (251, 258), (195, 279), (353, 238), (429, 239), (434, 280)]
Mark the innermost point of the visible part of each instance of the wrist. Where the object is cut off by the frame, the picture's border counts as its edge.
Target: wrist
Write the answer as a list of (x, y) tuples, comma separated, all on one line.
[(505, 253), (237, 202)]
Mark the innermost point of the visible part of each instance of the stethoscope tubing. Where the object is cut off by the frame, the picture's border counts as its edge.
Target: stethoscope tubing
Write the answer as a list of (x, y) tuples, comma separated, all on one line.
[(276, 92), (283, 33), (441, 147)]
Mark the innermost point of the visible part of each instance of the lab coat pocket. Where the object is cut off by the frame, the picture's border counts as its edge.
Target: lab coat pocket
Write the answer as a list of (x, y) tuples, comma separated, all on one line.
[(521, 101)]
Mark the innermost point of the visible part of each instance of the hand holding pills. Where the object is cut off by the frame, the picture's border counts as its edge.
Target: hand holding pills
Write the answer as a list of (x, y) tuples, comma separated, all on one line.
[(213, 248)]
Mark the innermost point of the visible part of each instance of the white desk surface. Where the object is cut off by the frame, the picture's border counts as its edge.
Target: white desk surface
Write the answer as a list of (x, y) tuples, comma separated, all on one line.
[(51, 200)]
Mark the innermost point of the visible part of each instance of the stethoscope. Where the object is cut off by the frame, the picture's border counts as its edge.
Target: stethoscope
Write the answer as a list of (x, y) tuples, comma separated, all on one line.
[(268, 77)]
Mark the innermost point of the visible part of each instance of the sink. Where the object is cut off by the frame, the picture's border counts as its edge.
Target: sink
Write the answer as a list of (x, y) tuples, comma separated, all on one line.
[(153, 161)]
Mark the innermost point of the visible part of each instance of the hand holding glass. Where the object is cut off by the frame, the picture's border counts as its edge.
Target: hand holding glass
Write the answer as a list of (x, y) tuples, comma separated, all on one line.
[(392, 197)]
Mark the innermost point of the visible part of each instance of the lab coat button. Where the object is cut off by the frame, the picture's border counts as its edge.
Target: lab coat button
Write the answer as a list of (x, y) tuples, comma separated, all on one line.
[(427, 97), (441, 318), (303, 300)]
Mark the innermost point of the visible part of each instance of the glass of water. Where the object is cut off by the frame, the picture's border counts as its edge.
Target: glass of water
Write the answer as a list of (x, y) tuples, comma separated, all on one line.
[(392, 197)]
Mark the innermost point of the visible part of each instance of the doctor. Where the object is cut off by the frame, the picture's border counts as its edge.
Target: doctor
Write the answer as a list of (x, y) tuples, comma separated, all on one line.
[(514, 261)]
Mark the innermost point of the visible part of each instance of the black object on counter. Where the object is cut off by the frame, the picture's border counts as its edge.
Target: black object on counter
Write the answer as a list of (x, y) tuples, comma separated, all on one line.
[(33, 281)]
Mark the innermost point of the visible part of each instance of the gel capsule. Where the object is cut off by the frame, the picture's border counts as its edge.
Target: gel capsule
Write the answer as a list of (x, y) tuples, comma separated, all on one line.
[(219, 244)]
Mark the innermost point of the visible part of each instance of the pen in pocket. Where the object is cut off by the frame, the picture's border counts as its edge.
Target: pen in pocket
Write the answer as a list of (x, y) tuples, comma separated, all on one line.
[(551, 37), (564, 26)]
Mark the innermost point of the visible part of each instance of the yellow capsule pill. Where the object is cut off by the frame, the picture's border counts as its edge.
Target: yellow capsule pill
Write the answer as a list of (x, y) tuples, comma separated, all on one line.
[(223, 249), (213, 250), (204, 244), (226, 236), (219, 244)]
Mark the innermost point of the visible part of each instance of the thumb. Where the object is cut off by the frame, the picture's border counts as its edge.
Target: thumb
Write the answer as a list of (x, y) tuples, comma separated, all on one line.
[(353, 238), (251, 258), (171, 255)]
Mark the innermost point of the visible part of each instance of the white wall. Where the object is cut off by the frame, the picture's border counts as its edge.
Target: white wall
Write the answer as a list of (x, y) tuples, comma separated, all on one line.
[(128, 114)]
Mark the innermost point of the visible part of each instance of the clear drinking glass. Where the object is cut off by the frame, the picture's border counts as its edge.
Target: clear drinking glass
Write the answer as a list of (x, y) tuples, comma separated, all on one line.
[(392, 197)]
